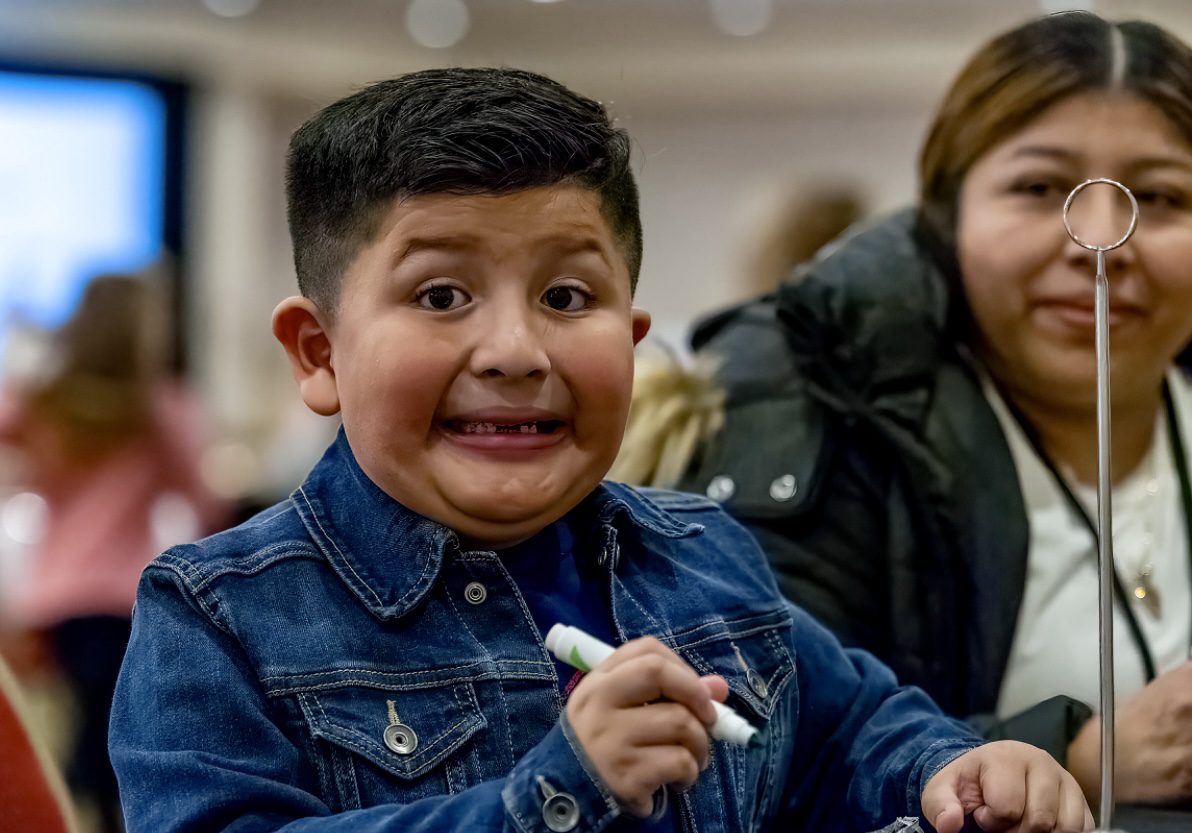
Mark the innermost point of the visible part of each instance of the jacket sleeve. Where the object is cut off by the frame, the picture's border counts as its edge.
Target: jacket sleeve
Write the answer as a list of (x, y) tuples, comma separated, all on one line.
[(859, 728), (197, 746), (831, 563), (817, 494)]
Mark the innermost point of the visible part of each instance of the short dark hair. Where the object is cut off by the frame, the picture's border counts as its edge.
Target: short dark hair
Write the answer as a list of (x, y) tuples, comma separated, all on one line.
[(446, 131)]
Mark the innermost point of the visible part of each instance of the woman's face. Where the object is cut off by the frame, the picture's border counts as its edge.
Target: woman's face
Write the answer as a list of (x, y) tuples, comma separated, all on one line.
[(1031, 289)]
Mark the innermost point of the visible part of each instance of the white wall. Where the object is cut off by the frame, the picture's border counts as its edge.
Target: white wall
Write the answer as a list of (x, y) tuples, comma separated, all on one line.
[(710, 186)]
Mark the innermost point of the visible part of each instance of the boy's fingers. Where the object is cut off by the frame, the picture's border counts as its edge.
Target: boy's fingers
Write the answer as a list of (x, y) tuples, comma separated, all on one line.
[(941, 803), (1004, 795), (675, 767), (667, 724), (1042, 810), (950, 819), (651, 677), (657, 765), (645, 646), (717, 687)]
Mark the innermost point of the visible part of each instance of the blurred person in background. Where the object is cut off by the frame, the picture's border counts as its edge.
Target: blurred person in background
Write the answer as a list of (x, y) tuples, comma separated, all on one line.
[(675, 408), (909, 428), (112, 445), (811, 217)]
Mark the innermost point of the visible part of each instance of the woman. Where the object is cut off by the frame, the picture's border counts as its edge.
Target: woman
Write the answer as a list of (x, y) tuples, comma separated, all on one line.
[(112, 446), (909, 426)]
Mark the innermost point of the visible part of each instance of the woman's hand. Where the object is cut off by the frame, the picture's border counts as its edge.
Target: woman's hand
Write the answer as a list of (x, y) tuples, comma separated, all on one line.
[(1152, 744)]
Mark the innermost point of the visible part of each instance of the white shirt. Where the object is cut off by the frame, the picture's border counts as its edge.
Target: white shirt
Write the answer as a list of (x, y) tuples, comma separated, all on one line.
[(1055, 648)]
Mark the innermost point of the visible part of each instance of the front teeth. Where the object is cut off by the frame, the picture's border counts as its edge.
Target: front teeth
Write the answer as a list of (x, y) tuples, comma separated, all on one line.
[(492, 428)]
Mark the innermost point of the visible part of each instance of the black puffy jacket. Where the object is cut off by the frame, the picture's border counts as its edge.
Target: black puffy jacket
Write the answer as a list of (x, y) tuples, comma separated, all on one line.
[(859, 449)]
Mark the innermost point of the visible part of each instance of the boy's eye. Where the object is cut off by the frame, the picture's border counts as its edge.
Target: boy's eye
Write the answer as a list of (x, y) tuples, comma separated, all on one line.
[(442, 297), (566, 298)]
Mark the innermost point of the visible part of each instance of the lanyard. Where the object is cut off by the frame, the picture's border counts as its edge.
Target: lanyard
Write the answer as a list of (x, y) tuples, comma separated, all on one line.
[(1181, 468)]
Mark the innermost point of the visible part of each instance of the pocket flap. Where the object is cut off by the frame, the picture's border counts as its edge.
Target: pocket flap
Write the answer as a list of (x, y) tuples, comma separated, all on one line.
[(430, 723), (754, 661)]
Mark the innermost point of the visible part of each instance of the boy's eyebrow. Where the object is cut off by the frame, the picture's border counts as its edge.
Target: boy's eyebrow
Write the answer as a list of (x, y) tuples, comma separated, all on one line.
[(448, 243), (573, 244), (568, 244)]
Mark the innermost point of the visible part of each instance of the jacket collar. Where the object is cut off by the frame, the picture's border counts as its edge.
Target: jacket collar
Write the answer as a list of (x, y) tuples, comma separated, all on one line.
[(390, 556)]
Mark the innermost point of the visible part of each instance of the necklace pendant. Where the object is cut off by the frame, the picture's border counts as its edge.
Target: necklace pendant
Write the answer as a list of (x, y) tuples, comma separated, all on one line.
[(1146, 592)]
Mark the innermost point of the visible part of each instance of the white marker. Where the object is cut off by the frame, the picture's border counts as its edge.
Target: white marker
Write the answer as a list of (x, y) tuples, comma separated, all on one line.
[(585, 652)]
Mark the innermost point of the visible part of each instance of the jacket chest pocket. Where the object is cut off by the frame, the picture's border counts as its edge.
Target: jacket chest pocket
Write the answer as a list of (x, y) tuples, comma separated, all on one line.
[(759, 669), (374, 746)]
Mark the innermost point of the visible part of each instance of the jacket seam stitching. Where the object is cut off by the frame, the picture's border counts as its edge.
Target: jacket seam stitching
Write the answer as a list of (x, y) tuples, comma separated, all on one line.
[(197, 594), (314, 513)]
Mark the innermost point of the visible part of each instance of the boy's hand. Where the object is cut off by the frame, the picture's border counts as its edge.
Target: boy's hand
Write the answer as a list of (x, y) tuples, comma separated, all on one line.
[(1007, 786), (642, 717)]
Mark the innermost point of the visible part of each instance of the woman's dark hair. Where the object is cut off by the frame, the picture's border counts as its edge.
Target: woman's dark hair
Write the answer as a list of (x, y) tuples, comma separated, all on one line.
[(446, 131)]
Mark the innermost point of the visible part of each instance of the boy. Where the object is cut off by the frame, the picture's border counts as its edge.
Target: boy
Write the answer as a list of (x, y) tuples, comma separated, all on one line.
[(367, 655)]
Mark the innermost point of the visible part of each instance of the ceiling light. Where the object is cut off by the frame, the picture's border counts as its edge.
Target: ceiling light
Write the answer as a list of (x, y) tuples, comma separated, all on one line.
[(230, 8), (742, 18), (437, 24)]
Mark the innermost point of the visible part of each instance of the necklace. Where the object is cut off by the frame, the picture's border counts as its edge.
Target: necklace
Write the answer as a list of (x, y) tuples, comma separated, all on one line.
[(1140, 517), (1146, 592), (1144, 588), (1143, 582)]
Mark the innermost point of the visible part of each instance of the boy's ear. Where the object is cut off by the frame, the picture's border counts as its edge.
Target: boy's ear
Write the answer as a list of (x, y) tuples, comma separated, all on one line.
[(298, 325), (641, 324)]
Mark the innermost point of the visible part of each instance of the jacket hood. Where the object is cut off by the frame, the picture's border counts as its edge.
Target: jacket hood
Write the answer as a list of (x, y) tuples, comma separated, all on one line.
[(865, 321)]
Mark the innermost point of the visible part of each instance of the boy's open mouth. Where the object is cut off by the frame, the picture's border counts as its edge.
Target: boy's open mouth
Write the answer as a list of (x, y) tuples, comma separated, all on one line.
[(539, 426)]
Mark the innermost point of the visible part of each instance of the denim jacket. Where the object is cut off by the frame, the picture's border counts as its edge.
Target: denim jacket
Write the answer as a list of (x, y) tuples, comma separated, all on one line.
[(331, 666)]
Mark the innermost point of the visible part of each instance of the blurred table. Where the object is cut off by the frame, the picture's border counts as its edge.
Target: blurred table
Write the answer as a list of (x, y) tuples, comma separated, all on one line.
[(1133, 819)]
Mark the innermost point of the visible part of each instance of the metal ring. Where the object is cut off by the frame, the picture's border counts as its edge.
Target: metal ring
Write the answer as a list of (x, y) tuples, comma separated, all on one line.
[(1133, 215)]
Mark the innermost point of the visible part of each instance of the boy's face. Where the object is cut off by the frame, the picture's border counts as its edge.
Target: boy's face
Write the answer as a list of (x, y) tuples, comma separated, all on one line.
[(481, 357)]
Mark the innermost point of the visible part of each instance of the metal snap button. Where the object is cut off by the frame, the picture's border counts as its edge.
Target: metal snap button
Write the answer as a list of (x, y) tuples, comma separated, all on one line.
[(560, 811), (784, 488), (721, 488), (757, 683), (400, 738), (475, 593)]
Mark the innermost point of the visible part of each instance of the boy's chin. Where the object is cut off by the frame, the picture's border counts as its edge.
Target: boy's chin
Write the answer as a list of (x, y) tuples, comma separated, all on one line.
[(496, 526), (476, 534)]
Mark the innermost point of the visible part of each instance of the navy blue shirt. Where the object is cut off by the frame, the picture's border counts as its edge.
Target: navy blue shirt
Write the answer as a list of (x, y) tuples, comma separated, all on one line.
[(559, 588)]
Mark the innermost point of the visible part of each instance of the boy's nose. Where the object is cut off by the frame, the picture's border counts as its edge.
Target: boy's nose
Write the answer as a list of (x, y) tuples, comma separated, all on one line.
[(510, 349)]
